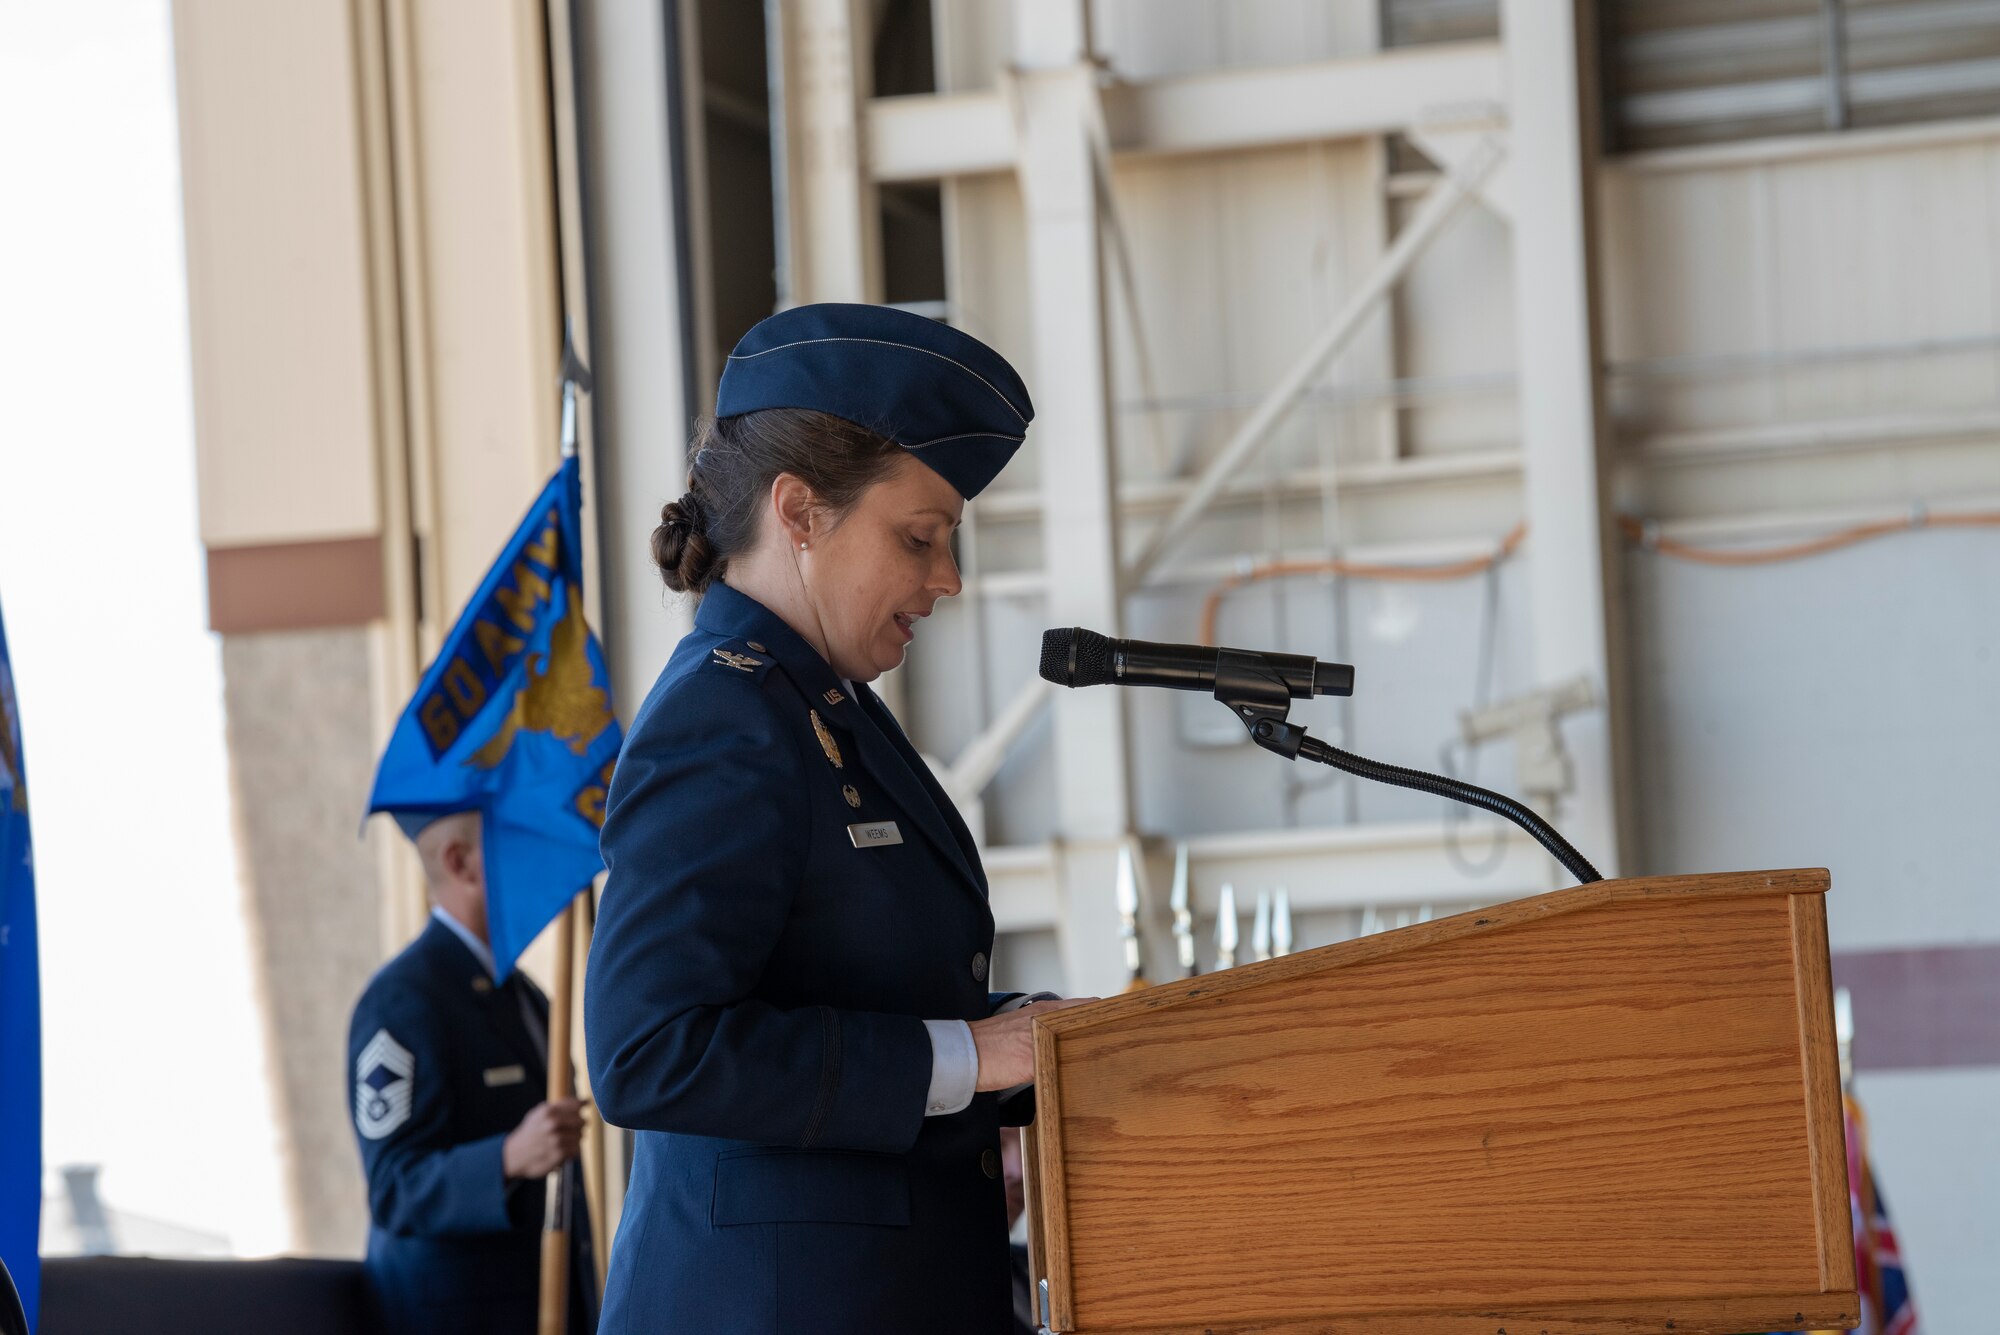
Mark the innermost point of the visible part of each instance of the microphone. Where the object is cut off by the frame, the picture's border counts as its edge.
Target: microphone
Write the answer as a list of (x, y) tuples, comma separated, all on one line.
[(1073, 656)]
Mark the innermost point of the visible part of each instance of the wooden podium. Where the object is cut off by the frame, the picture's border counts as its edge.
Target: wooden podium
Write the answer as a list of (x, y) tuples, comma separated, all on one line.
[(1614, 1108)]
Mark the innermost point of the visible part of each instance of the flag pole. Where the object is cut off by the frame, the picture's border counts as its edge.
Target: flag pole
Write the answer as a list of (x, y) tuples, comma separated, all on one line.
[(554, 1306), (562, 1085), (594, 1131)]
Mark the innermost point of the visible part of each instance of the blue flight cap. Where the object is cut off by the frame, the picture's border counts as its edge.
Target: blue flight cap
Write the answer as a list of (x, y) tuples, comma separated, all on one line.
[(937, 391), (414, 823)]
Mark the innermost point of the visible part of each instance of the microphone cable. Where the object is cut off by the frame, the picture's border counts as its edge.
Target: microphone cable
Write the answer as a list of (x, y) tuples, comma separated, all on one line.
[(1312, 748)]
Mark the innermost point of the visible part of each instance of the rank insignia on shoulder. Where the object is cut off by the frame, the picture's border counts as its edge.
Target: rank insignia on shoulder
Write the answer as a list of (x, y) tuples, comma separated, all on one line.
[(384, 1086), (826, 742), (741, 662), (833, 697), (853, 798)]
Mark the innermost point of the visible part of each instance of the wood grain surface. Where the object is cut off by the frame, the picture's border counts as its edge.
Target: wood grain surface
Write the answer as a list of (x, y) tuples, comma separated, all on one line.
[(1826, 1128), (1692, 1316), (1590, 1110), (1031, 1196)]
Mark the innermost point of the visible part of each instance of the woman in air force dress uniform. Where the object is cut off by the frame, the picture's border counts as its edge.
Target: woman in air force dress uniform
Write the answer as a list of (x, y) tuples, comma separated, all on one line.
[(787, 992)]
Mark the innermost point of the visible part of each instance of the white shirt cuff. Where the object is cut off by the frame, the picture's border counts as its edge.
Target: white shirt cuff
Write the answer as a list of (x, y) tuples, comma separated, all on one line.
[(954, 1067)]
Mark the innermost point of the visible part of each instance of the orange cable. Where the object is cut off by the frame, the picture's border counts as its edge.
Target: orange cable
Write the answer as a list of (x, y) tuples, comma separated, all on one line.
[(1635, 530), (1212, 607)]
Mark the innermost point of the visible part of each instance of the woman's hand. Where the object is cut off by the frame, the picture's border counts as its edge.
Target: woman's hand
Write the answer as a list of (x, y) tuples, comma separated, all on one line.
[(1006, 1044)]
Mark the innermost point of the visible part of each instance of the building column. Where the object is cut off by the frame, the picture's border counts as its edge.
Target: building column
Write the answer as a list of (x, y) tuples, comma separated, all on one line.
[(829, 216), (1572, 575), (1055, 81)]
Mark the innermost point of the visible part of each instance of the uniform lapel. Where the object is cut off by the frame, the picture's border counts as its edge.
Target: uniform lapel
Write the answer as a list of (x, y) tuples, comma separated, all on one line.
[(496, 1003), (954, 839), (883, 750), (502, 1004)]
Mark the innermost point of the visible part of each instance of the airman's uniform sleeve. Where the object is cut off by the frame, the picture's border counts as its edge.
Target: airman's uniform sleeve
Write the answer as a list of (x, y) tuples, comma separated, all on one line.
[(419, 1183), (706, 839)]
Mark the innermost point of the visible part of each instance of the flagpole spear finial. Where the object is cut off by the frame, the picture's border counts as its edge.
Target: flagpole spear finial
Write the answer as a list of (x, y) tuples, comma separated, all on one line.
[(575, 376)]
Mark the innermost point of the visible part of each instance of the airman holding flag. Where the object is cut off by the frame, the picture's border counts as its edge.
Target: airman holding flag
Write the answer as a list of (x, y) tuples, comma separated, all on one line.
[(459, 1072)]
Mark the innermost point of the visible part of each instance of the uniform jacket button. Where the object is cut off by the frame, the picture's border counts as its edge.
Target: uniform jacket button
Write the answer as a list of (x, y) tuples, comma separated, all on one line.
[(989, 1163), (979, 966)]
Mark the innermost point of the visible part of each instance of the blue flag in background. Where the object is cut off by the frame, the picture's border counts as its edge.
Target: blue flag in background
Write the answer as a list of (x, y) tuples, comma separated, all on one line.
[(514, 719), (20, 1012)]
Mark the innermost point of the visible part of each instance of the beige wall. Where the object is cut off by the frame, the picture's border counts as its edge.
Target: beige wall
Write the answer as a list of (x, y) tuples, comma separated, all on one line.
[(277, 257), (375, 323), (300, 759)]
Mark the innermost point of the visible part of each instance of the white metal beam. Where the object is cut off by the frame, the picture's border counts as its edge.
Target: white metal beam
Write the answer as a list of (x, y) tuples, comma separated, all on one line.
[(1450, 146), (832, 219), (1159, 496), (964, 134), (641, 401), (1073, 425), (1437, 209), (1055, 87), (1384, 865), (1567, 495)]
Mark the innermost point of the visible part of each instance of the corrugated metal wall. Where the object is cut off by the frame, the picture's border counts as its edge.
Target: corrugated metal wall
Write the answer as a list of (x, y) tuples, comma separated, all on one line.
[(1791, 327)]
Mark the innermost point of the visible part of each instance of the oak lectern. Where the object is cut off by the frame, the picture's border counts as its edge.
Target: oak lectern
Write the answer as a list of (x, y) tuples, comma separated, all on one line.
[(1613, 1108)]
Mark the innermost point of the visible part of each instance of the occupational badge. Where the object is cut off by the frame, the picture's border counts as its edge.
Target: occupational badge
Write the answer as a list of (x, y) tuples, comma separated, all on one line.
[(853, 798), (826, 742), (385, 1076)]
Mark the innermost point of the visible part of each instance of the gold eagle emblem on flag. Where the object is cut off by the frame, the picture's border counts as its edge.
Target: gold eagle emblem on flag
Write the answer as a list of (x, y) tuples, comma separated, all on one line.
[(558, 695)]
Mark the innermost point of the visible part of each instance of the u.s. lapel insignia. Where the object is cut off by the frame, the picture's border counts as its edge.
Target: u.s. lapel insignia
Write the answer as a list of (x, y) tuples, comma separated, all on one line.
[(741, 662), (832, 696), (853, 798), (826, 742)]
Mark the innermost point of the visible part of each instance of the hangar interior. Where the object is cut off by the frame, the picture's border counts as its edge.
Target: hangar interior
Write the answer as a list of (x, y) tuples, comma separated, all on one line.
[(1493, 348)]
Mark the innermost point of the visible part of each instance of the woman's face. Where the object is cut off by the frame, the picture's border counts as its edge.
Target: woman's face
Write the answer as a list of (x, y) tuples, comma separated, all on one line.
[(881, 569)]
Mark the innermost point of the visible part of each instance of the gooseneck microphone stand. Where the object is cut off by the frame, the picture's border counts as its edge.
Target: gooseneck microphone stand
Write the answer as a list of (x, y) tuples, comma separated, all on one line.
[(1260, 696)]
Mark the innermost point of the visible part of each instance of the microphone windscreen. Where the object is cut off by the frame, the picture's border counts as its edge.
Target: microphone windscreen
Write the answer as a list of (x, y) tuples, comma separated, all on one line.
[(1072, 656)]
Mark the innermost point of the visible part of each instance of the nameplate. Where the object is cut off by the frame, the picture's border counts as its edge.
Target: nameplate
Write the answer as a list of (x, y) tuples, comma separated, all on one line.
[(875, 834), (497, 1076)]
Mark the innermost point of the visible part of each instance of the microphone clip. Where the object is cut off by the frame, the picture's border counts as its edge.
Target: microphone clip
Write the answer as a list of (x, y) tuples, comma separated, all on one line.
[(1259, 697)]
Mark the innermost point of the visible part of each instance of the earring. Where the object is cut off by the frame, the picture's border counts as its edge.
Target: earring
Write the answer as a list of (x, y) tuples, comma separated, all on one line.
[(802, 546)]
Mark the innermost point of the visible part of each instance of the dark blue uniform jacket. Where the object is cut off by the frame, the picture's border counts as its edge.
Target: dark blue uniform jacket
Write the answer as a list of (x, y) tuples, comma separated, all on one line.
[(755, 1000), (441, 1066)]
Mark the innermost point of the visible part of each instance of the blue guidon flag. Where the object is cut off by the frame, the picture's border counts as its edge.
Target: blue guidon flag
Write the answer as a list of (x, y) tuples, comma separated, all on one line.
[(20, 1014), (514, 720)]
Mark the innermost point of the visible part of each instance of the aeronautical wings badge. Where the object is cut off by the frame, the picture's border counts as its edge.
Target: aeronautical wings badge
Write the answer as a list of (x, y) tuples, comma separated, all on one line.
[(385, 1076), (826, 742)]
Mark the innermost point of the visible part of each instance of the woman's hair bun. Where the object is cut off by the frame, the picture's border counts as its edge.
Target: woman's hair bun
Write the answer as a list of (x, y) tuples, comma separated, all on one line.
[(681, 547), (732, 462)]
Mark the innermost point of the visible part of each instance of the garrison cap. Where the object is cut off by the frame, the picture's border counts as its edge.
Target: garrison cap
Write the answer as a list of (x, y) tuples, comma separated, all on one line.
[(937, 391), (414, 823)]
